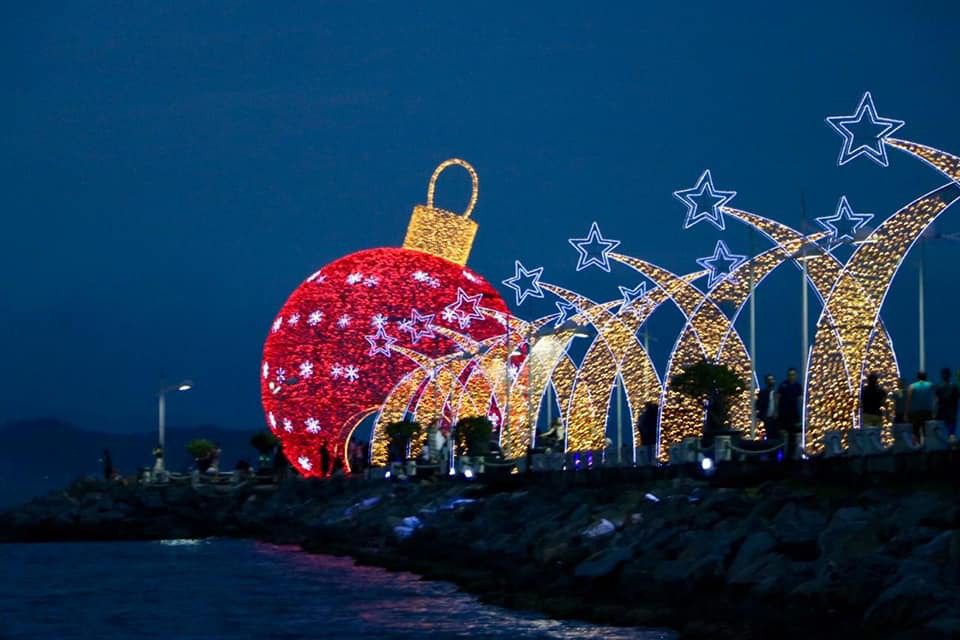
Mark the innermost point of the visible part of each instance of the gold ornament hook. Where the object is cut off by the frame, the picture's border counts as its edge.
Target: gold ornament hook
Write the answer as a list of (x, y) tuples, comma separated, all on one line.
[(432, 187)]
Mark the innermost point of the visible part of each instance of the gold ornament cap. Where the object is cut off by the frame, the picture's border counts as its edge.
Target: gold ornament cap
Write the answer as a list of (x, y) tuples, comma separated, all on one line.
[(440, 232)]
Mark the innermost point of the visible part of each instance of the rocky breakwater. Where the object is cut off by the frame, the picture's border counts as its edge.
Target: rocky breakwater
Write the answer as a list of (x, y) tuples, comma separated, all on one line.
[(782, 559)]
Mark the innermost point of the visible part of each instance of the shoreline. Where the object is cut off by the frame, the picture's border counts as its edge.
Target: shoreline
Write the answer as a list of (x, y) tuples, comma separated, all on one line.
[(738, 555)]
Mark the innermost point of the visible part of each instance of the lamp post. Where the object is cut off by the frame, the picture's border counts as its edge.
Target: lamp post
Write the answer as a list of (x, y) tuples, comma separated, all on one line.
[(185, 385)]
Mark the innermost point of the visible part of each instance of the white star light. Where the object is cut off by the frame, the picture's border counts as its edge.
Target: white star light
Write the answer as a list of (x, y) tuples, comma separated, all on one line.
[(418, 326), (287, 425), (306, 369), (344, 321), (566, 310), (312, 424), (870, 145), (844, 224), (594, 249), (351, 373), (305, 462), (630, 296), (464, 317), (721, 254), (315, 318), (336, 371), (277, 324), (525, 282), (266, 370), (293, 320), (380, 342), (694, 199), (355, 278)]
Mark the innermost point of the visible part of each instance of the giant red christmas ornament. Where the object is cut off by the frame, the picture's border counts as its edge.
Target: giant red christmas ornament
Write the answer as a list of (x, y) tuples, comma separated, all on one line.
[(329, 359)]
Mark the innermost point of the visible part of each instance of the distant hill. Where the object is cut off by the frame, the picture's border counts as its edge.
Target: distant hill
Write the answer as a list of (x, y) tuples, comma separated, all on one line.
[(42, 455)]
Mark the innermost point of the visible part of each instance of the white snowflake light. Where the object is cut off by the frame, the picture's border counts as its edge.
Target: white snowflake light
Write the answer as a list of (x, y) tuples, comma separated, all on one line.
[(449, 315), (305, 463), (293, 319), (266, 370), (287, 425), (273, 420), (434, 283), (315, 318), (469, 276), (355, 278), (351, 373), (344, 321), (420, 276), (306, 369), (317, 277), (336, 371), (371, 281), (312, 424), (277, 324), (281, 374), (378, 321)]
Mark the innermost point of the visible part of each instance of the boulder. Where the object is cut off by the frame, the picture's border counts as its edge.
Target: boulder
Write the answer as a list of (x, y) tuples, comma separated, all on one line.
[(755, 546), (603, 563), (796, 525)]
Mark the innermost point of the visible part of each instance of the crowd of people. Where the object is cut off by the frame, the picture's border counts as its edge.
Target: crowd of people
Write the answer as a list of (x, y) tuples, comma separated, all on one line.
[(915, 404)]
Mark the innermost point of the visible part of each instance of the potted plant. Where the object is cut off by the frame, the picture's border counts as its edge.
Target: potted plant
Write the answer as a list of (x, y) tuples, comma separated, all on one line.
[(715, 386), (264, 442), (473, 434), (401, 433), (201, 450)]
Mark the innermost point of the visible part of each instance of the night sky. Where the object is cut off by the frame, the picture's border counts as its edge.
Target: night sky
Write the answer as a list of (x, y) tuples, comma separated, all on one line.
[(172, 171)]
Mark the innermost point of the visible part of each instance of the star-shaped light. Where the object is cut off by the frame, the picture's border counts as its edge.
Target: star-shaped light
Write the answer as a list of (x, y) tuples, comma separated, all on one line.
[(380, 342), (864, 132), (721, 264), (844, 224), (630, 296), (567, 309), (525, 282), (594, 249), (418, 326), (465, 316), (704, 201)]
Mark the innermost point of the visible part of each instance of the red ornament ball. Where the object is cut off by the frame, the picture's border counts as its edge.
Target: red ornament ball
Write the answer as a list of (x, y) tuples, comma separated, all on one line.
[(328, 361)]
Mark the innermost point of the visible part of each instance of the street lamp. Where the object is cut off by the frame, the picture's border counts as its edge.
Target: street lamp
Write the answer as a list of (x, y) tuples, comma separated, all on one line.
[(921, 301), (185, 385)]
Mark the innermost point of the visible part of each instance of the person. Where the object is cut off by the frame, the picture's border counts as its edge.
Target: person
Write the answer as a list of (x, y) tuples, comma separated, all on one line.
[(214, 467), (900, 401), (280, 465), (648, 424), (435, 441), (948, 396), (872, 399), (324, 460), (158, 460), (788, 399), (107, 465), (555, 436), (767, 407), (919, 405)]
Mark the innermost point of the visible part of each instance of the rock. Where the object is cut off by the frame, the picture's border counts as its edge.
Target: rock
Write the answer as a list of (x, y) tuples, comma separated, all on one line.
[(603, 563), (795, 525), (755, 546), (850, 534), (600, 529), (903, 605)]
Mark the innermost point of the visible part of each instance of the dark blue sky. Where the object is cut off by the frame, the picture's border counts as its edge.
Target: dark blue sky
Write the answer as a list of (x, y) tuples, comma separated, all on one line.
[(172, 171)]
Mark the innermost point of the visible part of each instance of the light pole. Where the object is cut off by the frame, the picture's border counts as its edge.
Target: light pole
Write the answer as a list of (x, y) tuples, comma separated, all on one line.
[(185, 385)]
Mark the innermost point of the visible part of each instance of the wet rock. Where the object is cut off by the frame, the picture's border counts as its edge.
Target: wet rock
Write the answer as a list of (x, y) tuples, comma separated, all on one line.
[(753, 548)]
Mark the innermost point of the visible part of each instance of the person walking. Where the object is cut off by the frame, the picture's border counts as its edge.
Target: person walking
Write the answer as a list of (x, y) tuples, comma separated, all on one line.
[(872, 399), (919, 405), (948, 396), (789, 396), (767, 407)]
